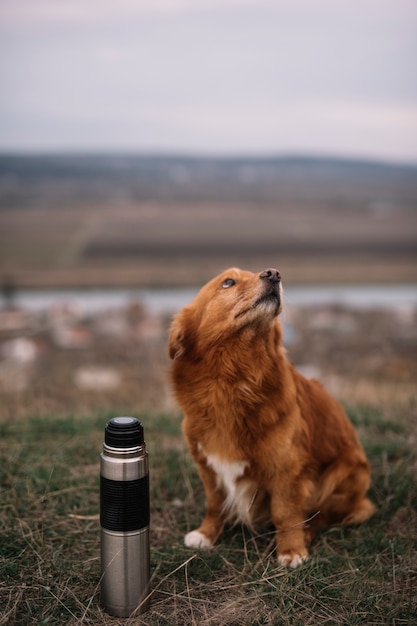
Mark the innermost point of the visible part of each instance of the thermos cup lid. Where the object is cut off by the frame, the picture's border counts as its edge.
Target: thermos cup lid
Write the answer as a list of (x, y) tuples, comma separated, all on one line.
[(123, 432)]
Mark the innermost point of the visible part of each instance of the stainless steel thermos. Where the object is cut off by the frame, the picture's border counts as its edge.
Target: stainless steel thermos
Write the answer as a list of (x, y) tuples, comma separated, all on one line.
[(124, 518)]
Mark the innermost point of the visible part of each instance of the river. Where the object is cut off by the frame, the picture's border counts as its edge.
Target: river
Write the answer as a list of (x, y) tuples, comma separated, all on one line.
[(171, 300)]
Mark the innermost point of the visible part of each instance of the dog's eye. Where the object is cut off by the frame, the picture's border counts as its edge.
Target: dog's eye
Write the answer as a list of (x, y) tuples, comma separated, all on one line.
[(229, 282)]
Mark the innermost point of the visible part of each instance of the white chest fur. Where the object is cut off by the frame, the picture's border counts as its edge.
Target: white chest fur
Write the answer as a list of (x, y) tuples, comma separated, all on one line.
[(239, 492)]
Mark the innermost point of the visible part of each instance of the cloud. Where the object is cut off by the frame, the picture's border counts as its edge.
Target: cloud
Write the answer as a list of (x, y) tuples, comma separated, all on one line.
[(47, 11), (311, 126), (210, 75), (315, 127), (99, 10)]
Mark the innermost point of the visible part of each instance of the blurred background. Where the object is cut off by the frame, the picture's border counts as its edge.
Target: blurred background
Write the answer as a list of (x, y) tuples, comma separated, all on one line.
[(147, 145)]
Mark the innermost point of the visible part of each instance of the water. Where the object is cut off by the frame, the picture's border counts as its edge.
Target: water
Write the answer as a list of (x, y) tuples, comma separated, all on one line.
[(171, 300), (362, 296), (94, 300)]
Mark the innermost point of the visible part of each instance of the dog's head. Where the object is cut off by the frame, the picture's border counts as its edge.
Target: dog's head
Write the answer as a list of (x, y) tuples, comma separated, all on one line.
[(233, 301)]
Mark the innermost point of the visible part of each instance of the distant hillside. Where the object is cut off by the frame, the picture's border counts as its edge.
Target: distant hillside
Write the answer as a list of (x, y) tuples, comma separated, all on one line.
[(116, 220), (60, 180)]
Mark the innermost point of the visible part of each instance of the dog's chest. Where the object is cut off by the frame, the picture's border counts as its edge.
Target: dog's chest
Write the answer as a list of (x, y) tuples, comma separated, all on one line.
[(238, 490)]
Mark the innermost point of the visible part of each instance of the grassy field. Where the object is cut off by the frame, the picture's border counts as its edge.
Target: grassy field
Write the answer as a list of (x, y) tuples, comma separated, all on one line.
[(49, 534)]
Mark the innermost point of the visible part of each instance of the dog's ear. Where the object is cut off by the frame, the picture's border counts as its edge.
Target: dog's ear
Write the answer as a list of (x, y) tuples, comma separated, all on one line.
[(176, 341)]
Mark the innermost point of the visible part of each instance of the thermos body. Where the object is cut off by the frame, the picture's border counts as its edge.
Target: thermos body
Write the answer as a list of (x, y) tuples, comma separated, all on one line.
[(124, 518)]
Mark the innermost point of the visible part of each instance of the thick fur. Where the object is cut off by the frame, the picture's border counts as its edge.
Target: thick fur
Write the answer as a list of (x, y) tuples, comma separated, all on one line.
[(269, 444)]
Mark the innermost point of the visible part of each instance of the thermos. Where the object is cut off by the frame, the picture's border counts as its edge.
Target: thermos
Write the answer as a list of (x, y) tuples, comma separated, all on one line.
[(124, 518)]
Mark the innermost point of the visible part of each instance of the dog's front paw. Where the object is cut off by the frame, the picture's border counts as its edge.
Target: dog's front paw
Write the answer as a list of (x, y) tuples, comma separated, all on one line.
[(292, 559), (196, 539)]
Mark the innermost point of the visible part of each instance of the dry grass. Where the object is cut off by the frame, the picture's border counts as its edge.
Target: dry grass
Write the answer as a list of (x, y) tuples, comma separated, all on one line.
[(49, 535)]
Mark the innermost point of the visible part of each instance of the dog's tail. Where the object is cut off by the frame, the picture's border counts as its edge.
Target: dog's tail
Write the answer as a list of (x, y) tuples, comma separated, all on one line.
[(342, 495)]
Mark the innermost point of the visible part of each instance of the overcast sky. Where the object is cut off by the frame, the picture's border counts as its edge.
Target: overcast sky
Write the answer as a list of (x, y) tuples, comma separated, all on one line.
[(210, 76)]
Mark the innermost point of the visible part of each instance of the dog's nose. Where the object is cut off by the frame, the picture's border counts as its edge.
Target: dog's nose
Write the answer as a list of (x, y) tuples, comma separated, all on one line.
[(271, 274)]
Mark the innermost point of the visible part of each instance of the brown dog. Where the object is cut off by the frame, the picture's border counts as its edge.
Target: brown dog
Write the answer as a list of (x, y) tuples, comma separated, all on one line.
[(269, 444)]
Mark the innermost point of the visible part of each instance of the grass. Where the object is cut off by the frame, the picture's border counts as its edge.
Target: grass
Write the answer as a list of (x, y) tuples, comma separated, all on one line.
[(49, 535)]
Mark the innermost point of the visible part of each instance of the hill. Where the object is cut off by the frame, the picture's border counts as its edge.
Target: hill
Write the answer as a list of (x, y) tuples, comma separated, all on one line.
[(120, 219)]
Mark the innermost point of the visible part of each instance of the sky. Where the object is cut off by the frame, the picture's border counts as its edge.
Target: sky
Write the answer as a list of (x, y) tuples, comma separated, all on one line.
[(220, 77)]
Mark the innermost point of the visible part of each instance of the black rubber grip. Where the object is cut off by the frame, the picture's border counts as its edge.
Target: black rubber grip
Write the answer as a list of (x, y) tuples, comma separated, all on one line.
[(124, 504)]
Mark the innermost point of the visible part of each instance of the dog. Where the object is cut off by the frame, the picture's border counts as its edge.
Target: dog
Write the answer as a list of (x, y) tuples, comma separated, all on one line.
[(269, 444)]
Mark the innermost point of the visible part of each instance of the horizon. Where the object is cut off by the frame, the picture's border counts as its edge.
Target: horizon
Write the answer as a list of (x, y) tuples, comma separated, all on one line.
[(257, 157)]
